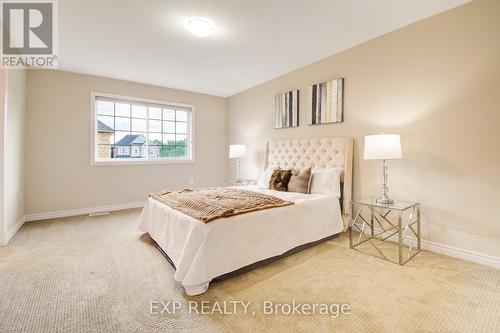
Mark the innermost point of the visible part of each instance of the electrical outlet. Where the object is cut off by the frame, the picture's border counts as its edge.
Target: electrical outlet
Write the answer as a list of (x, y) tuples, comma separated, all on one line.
[(191, 181), (21, 196)]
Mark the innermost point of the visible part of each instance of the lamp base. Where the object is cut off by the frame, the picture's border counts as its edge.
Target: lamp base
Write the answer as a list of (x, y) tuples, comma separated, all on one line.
[(384, 201)]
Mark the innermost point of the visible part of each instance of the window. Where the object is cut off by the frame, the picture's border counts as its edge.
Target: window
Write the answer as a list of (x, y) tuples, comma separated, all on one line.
[(130, 130)]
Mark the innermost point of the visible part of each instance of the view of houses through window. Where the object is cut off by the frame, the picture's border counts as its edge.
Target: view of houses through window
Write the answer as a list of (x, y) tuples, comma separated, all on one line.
[(137, 130)]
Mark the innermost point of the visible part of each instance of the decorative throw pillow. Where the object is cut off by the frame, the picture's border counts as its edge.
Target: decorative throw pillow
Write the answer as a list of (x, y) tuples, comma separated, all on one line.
[(300, 183), (279, 180), (265, 178), (326, 181)]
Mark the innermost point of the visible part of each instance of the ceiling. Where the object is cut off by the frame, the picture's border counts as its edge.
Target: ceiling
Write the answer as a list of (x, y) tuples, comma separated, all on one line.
[(256, 40)]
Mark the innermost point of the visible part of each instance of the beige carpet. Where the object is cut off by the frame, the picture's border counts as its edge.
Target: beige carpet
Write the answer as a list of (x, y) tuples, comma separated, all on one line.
[(98, 274)]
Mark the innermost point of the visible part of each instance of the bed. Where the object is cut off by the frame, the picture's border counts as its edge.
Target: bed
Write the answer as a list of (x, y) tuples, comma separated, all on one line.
[(202, 252)]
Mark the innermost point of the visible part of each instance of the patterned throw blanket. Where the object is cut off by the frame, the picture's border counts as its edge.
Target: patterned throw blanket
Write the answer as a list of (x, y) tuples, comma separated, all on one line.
[(212, 203)]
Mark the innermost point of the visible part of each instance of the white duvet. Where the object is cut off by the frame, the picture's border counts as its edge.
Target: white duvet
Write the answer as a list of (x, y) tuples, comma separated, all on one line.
[(203, 251)]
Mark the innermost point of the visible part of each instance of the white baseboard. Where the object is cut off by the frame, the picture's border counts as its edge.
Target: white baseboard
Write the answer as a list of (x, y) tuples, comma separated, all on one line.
[(480, 258), (15, 228), (451, 251), (83, 211)]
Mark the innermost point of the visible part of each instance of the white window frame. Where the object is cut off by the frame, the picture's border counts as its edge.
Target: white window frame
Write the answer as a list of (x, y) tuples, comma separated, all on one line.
[(95, 161)]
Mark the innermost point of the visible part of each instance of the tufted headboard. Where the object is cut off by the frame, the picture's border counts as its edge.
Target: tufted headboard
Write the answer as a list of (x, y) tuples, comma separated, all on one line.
[(318, 153)]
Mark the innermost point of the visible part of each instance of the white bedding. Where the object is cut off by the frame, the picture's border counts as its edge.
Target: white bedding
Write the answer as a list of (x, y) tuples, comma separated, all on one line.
[(203, 251)]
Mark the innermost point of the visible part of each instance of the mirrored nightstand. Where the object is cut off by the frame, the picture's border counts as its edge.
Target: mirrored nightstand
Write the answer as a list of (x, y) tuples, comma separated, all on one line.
[(380, 229)]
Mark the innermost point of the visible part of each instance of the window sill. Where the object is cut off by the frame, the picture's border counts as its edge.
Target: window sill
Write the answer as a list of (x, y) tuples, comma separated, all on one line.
[(133, 161)]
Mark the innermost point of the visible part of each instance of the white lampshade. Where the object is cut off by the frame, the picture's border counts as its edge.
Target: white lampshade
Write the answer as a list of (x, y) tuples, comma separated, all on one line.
[(383, 147), (237, 151)]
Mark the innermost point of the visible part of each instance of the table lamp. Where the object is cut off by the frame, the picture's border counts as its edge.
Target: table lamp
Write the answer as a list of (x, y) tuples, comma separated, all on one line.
[(237, 151), (383, 147)]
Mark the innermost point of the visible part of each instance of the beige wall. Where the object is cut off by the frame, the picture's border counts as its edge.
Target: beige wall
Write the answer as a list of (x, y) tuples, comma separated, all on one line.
[(437, 83), (59, 173), (15, 149), (3, 86)]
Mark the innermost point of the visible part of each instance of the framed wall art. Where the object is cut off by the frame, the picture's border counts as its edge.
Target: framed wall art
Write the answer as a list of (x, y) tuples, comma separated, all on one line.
[(326, 102), (286, 110)]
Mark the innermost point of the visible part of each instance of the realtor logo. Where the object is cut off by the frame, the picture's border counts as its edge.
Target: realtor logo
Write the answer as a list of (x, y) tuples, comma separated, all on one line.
[(29, 33)]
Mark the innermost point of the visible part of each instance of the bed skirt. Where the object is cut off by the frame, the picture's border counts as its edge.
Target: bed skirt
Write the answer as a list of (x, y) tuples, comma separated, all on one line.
[(200, 289)]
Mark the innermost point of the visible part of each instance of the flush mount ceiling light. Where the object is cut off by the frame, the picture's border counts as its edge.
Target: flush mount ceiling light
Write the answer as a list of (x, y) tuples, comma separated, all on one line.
[(200, 26)]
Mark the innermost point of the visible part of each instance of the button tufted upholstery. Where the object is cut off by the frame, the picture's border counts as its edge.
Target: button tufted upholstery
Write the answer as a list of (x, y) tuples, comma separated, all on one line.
[(317, 153)]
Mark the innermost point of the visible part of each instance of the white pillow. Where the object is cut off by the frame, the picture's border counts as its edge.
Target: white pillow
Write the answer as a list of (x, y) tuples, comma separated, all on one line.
[(265, 178), (325, 181)]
